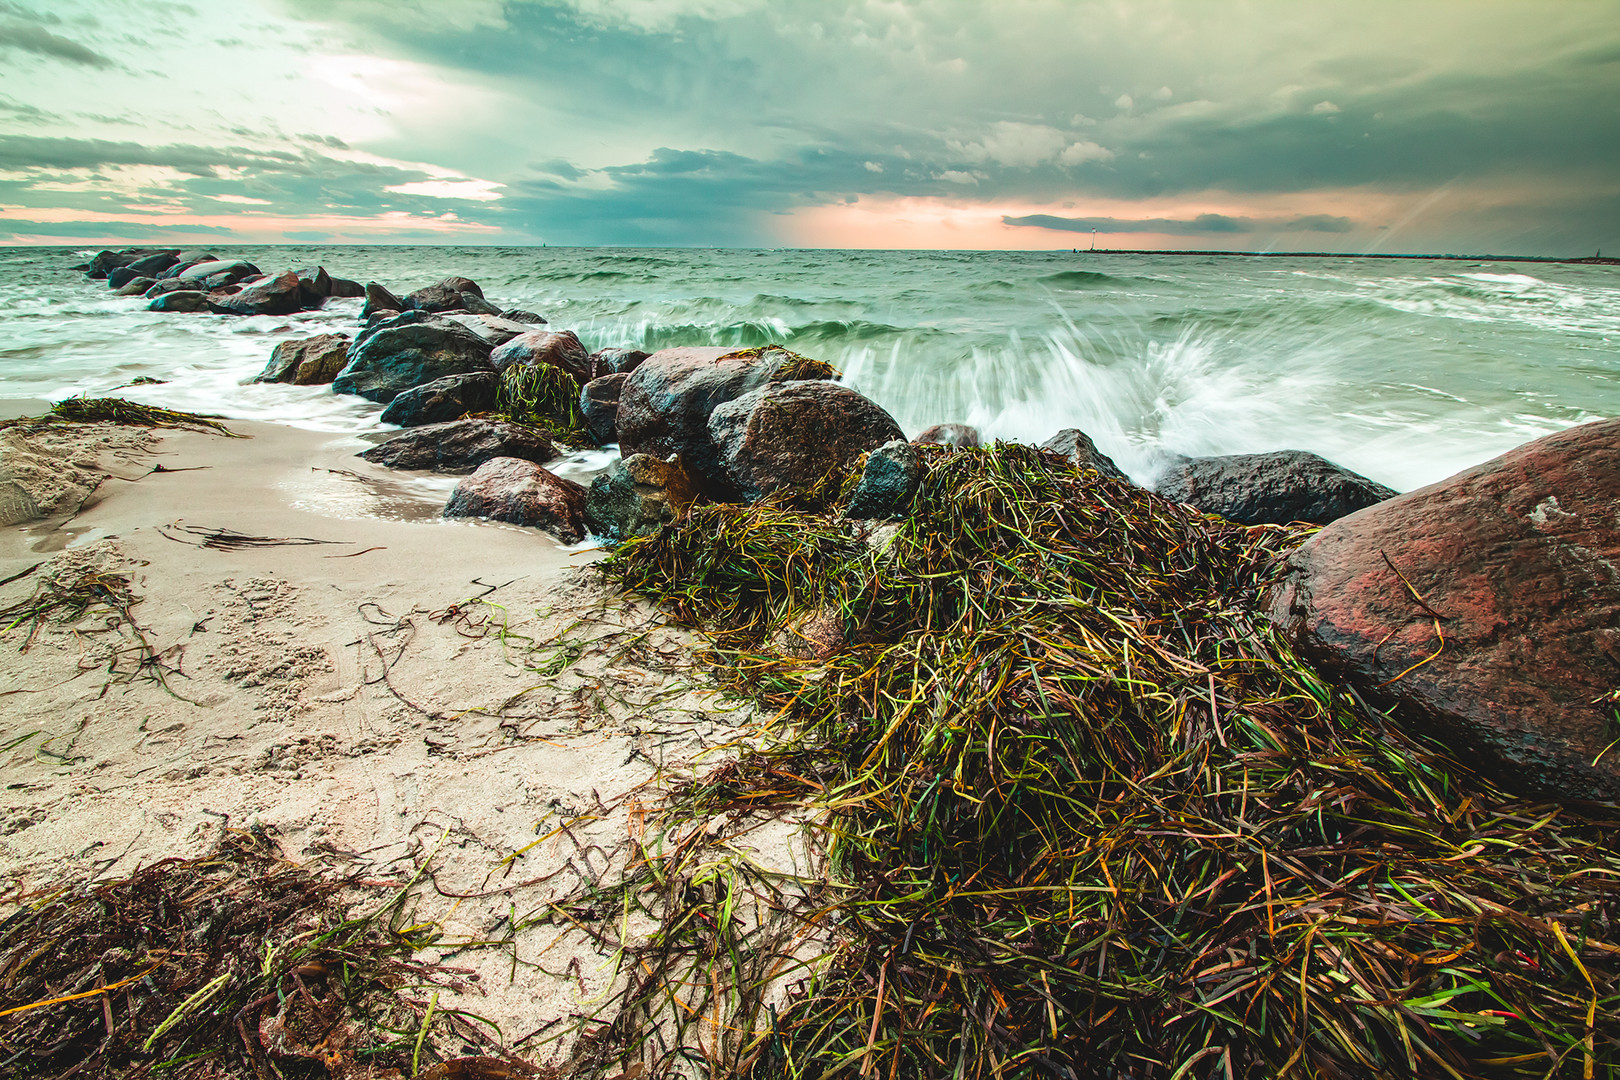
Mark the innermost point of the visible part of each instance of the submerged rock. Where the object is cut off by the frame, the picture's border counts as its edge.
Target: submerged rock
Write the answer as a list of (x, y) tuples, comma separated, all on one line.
[(310, 361), (599, 404), (520, 492), (794, 434), (449, 398), (949, 435), (665, 404), (1516, 563), (409, 350), (1270, 489), (1082, 453), (887, 483), (637, 495), (460, 446)]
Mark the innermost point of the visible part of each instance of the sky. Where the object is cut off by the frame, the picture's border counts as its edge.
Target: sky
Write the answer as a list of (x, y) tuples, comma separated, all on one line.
[(1300, 125)]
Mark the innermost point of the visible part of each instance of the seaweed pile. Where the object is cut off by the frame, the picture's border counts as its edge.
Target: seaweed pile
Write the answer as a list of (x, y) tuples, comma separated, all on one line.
[(546, 397), (235, 965), (1086, 816)]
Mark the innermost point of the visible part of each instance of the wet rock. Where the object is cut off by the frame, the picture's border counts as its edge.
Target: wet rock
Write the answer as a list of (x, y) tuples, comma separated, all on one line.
[(559, 349), (188, 301), (280, 295), (949, 435), (169, 285), (451, 294), (599, 402), (119, 276), (794, 434), (520, 492), (1270, 489), (665, 404), (519, 315), (409, 350), (379, 299), (135, 287), (316, 285), (477, 305), (104, 262), (236, 270), (1518, 560), (343, 287), (887, 483), (1082, 453), (311, 361), (615, 361), (460, 446), (637, 495), (495, 329), (153, 265), (449, 398)]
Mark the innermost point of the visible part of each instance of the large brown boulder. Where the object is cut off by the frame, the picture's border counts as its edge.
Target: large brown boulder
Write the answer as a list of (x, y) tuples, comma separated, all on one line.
[(1273, 488), (1516, 563), (279, 295), (636, 496), (558, 348), (310, 361), (520, 492), (793, 434), (665, 404), (460, 446)]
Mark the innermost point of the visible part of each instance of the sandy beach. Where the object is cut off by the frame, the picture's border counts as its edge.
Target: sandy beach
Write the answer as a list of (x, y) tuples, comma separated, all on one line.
[(379, 701)]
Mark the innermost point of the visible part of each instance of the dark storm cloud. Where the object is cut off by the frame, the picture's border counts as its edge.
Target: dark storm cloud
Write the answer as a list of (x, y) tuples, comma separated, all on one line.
[(38, 151), (1202, 224)]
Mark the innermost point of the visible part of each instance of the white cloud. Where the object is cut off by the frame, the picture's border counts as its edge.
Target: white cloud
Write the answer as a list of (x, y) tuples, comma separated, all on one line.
[(1124, 101), (874, 166), (1324, 107), (1083, 151), (241, 200), (1018, 145), (476, 190), (1163, 93), (957, 176)]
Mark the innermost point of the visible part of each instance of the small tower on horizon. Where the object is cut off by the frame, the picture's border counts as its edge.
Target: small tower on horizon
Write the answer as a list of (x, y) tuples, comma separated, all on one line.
[(1093, 239)]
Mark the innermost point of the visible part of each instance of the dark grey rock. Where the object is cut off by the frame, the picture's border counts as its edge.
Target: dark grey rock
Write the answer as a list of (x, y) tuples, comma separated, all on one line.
[(279, 295), (615, 361), (887, 483), (637, 495), (153, 265), (441, 400), (1082, 453), (343, 287), (188, 301), (460, 446), (379, 299), (519, 315), (409, 350), (119, 276), (137, 287), (495, 329), (599, 402), (316, 285), (310, 361), (169, 285), (520, 492), (237, 269), (477, 305), (1272, 488), (451, 294), (794, 434)]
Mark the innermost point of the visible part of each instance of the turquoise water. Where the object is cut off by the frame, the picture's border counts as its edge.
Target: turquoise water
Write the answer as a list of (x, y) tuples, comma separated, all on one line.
[(1403, 370)]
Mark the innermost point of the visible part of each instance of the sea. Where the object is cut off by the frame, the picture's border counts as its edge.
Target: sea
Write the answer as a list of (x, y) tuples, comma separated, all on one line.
[(1403, 370)]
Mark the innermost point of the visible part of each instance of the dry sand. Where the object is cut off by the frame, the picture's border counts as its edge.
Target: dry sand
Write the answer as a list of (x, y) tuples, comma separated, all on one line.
[(351, 699)]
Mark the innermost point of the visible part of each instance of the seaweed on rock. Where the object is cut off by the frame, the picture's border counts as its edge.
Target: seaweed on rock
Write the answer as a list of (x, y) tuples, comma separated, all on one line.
[(545, 397), (1086, 816)]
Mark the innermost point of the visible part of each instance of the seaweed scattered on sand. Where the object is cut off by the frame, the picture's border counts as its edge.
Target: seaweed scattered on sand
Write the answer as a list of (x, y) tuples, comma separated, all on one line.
[(237, 965), (120, 411), (1086, 816), (221, 539), (546, 397)]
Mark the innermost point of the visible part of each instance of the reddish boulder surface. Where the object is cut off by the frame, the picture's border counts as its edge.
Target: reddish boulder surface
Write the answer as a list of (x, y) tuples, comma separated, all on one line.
[(950, 435), (558, 348), (520, 492), (793, 434), (1518, 562)]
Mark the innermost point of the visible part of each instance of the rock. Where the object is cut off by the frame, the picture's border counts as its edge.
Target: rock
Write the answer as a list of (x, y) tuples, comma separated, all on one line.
[(449, 398), (599, 402), (119, 276), (188, 301), (794, 434), (636, 496), (448, 295), (614, 361), (519, 315), (153, 265), (1082, 453), (949, 435), (179, 268), (477, 305), (559, 349), (666, 402), (521, 493), (169, 285), (316, 285), (495, 329), (343, 287), (459, 446), (135, 287), (309, 361), (1520, 560), (193, 256), (280, 295), (104, 262), (379, 299), (407, 351), (1270, 489), (236, 270), (887, 483)]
